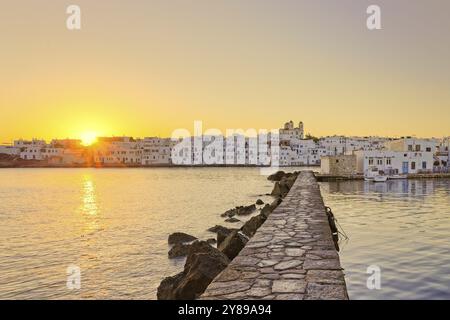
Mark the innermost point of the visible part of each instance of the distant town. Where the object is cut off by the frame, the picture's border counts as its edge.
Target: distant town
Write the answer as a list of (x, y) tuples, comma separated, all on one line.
[(337, 155)]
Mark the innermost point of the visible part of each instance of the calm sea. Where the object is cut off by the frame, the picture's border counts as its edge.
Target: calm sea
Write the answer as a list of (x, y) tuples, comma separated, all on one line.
[(403, 228), (113, 224)]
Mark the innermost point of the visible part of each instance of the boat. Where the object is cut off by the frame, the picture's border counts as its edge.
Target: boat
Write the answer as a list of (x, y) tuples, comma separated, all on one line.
[(380, 178), (398, 176), (375, 175)]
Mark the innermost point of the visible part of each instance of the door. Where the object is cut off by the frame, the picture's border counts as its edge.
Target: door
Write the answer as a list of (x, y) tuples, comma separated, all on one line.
[(405, 167)]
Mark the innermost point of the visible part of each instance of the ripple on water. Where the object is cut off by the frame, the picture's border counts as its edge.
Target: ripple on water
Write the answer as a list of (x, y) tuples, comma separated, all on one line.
[(400, 226)]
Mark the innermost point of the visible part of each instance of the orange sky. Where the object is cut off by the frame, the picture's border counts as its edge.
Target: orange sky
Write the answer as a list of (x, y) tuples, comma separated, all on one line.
[(144, 68)]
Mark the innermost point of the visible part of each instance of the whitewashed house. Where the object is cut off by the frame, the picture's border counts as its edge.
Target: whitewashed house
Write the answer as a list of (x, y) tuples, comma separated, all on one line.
[(118, 150), (413, 144), (156, 151), (9, 150), (30, 150), (393, 162)]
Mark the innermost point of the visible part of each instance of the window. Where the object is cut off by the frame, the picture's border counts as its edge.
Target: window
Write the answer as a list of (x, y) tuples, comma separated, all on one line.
[(428, 149), (380, 161), (424, 165), (410, 147), (388, 161), (370, 161), (413, 165)]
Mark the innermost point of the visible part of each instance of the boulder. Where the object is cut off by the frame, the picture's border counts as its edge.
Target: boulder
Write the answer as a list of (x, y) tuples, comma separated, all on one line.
[(233, 244), (229, 213), (259, 202), (232, 220), (276, 191), (276, 176), (282, 187), (218, 228), (211, 241), (166, 289), (249, 228), (221, 235), (179, 237), (222, 232), (179, 250), (202, 265), (266, 210), (246, 210)]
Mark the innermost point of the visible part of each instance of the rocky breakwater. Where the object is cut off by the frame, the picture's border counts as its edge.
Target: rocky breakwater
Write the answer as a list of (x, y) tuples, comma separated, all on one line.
[(204, 261), (291, 256)]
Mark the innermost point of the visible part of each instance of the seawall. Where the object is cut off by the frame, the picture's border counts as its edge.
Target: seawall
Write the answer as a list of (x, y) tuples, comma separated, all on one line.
[(291, 256)]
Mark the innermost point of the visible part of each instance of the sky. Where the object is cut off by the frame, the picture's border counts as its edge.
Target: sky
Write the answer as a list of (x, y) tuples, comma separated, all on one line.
[(148, 67)]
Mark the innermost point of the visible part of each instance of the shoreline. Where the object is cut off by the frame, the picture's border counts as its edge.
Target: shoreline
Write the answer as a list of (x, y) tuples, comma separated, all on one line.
[(413, 176), (103, 166)]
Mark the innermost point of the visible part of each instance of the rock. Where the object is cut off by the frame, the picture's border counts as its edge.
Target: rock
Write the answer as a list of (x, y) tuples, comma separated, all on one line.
[(275, 204), (229, 213), (167, 287), (241, 210), (233, 244), (266, 210), (259, 202), (179, 250), (249, 228), (245, 210), (282, 187), (203, 264), (211, 241), (232, 220), (179, 237), (276, 191), (276, 176), (217, 228), (222, 232), (221, 235)]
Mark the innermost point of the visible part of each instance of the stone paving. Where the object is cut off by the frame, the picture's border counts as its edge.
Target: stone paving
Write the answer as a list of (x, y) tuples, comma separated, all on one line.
[(291, 256)]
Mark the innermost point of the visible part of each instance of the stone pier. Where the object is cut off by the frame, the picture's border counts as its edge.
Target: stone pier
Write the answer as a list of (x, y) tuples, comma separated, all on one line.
[(291, 256)]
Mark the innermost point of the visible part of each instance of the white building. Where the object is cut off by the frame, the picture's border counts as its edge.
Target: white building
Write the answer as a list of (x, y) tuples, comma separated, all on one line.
[(156, 151), (414, 144), (289, 132), (118, 150), (30, 150), (394, 162), (9, 150)]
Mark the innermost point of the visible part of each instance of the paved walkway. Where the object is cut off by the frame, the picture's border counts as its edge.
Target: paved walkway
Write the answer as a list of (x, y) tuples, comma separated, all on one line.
[(291, 256)]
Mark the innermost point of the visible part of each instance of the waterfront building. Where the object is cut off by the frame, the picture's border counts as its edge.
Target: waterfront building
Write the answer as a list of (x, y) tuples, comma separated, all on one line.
[(394, 162), (118, 150), (156, 151), (413, 144), (9, 150), (341, 165)]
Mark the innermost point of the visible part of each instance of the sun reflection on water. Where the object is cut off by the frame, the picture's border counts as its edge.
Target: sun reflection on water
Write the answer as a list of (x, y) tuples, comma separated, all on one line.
[(89, 206)]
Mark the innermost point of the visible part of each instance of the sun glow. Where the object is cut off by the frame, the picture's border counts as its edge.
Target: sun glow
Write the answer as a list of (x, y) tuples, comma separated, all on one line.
[(88, 138)]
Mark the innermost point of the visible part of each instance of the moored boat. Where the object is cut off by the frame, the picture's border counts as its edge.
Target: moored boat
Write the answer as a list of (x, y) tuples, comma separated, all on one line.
[(380, 178)]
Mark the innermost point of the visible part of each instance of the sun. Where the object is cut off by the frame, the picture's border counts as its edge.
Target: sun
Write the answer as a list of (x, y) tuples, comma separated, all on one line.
[(88, 138)]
